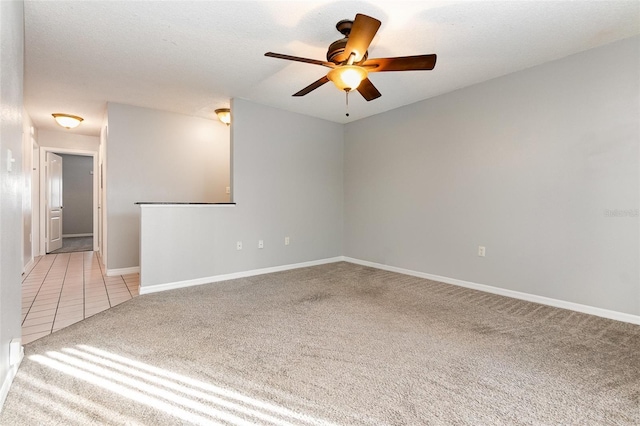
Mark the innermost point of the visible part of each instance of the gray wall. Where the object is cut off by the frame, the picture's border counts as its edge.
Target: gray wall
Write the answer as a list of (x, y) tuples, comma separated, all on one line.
[(77, 194), (287, 177), (526, 165), (158, 156), (11, 183), (287, 182)]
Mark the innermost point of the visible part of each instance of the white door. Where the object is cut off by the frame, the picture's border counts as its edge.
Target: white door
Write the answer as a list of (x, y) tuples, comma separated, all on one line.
[(54, 202)]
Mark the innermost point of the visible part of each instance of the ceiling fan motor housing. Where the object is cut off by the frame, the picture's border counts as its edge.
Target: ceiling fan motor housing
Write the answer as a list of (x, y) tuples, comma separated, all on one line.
[(336, 53)]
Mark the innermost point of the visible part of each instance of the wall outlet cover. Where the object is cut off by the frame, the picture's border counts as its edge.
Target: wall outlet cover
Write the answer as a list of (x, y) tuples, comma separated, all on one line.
[(15, 351)]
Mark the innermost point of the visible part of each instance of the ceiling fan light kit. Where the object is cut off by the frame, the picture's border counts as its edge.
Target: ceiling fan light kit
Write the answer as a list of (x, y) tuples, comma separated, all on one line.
[(67, 121), (349, 62), (347, 77)]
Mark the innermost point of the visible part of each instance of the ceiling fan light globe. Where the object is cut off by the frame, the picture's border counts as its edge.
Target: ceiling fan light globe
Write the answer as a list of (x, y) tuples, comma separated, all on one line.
[(347, 77)]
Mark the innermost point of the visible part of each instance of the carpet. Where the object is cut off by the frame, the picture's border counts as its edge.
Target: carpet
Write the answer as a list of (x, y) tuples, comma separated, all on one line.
[(74, 244), (332, 344)]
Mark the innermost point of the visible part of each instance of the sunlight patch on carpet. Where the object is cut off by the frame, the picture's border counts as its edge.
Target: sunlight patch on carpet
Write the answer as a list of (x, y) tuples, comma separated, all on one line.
[(177, 395), (70, 405)]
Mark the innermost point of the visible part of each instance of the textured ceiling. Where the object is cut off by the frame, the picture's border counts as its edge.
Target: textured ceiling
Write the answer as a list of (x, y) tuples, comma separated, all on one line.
[(193, 57)]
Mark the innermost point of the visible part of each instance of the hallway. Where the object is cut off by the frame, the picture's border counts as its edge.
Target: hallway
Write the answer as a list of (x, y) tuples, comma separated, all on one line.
[(62, 289)]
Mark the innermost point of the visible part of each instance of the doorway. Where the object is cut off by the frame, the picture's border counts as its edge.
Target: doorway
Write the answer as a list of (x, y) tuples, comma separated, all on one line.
[(68, 201)]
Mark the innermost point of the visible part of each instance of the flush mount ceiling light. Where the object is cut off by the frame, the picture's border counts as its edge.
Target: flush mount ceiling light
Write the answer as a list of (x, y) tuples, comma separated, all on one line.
[(224, 115), (67, 121)]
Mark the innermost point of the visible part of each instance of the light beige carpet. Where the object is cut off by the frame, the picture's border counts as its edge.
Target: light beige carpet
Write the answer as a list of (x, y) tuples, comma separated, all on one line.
[(333, 344)]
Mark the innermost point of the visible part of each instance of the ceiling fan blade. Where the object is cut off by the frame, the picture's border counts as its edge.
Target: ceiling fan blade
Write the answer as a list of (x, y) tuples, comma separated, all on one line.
[(363, 30), (299, 59), (368, 90), (403, 63), (312, 86)]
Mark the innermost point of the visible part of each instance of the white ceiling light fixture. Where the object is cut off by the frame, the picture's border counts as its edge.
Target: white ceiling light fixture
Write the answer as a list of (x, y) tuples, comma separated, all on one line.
[(224, 115), (67, 121)]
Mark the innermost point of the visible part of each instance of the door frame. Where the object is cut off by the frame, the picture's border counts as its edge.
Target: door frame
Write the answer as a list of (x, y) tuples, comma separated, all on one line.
[(43, 180)]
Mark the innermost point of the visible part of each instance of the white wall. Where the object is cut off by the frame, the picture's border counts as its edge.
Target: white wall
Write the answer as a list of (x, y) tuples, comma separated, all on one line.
[(11, 183), (287, 182), (28, 160), (35, 196), (62, 139), (158, 156), (77, 194), (526, 165)]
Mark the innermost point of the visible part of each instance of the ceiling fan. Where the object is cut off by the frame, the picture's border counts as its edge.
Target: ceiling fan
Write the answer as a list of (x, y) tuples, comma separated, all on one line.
[(349, 63)]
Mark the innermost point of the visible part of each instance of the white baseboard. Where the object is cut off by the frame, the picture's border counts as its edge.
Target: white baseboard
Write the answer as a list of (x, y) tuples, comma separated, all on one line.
[(592, 310), (90, 234), (101, 259), (123, 271), (28, 265), (217, 278), (8, 380)]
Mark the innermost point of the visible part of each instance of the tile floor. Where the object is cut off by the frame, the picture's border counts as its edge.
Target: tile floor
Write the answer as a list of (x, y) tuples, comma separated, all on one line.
[(62, 289)]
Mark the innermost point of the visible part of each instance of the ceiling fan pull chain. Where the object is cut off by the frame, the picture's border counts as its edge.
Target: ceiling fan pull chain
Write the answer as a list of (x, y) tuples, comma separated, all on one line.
[(347, 95)]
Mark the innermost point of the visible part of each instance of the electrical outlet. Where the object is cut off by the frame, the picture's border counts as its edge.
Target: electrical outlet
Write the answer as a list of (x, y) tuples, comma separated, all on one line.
[(286, 241), (481, 251), (228, 190), (16, 352), (260, 244), (239, 245)]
